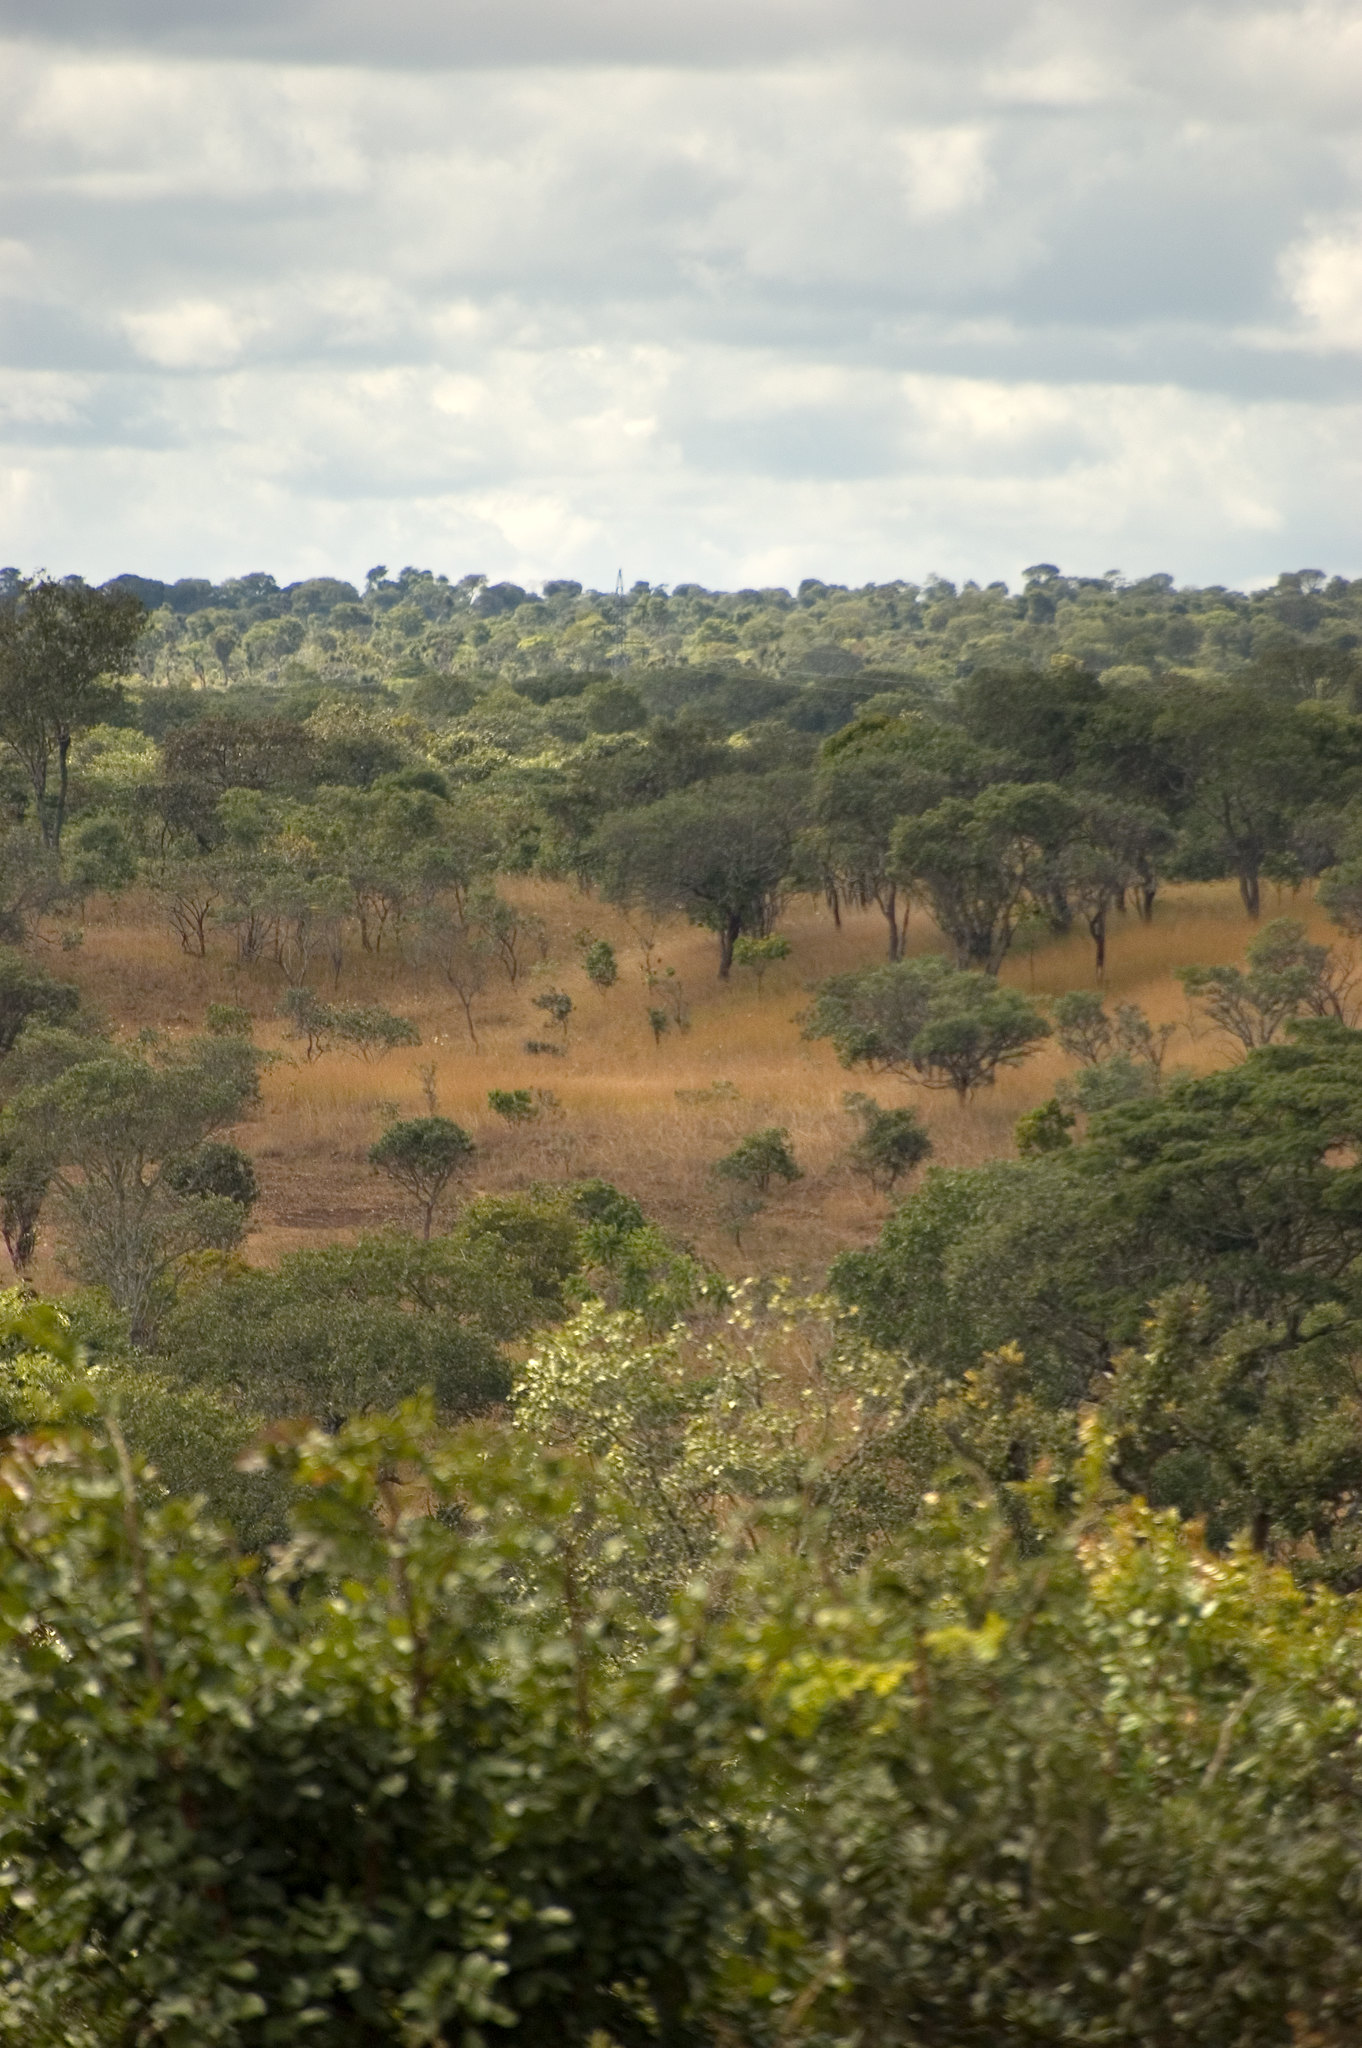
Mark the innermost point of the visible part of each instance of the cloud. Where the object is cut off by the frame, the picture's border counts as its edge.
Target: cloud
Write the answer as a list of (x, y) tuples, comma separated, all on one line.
[(903, 286), (1323, 274)]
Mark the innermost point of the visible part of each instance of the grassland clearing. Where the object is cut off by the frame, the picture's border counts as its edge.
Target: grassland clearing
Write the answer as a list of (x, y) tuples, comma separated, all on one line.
[(649, 1115)]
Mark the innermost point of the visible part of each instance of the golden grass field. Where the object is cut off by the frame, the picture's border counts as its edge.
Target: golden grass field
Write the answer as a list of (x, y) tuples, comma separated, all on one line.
[(637, 1113)]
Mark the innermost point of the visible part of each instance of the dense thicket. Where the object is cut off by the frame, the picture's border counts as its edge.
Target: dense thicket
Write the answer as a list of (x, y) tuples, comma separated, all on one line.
[(460, 1767)]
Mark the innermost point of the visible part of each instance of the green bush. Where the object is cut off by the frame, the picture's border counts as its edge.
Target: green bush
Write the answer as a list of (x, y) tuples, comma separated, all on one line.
[(760, 1158)]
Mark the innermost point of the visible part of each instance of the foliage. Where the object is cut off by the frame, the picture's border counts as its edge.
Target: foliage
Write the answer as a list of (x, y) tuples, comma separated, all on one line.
[(942, 1026), (228, 1020), (28, 994), (690, 1431), (110, 1130), (1097, 1788), (1089, 1033), (215, 1168), (347, 1329), (368, 1028), (757, 955), (1288, 976), (513, 1105), (759, 1158), (891, 1144), (421, 1155), (720, 854), (600, 965), (410, 1796), (1045, 1128), (193, 1441), (60, 643), (1241, 1185), (556, 1006), (974, 861)]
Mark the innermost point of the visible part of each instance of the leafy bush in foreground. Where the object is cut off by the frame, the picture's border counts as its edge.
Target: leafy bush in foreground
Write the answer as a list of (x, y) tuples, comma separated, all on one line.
[(427, 1781)]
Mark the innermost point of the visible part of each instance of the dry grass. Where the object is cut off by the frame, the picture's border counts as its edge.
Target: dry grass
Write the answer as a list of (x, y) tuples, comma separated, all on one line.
[(637, 1113)]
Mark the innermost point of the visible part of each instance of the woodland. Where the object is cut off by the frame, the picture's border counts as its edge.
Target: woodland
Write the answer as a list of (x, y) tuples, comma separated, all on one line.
[(681, 1363)]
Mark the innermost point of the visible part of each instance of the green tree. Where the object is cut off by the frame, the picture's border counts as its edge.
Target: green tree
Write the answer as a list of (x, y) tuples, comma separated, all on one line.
[(114, 1128), (891, 1144), (218, 1169), (877, 771), (1039, 718), (1088, 1032), (1250, 764), (928, 1021), (60, 644), (720, 853), (1288, 976), (974, 862), (421, 1155), (760, 1158), (1044, 1129)]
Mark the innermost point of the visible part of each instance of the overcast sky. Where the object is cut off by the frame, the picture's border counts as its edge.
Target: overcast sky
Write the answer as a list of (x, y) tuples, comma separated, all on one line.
[(734, 291)]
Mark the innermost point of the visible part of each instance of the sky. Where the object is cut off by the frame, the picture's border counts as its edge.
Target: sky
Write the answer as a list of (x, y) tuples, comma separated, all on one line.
[(724, 291)]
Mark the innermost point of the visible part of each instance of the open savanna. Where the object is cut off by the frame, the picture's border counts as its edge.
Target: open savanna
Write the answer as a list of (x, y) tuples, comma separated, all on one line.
[(651, 1117)]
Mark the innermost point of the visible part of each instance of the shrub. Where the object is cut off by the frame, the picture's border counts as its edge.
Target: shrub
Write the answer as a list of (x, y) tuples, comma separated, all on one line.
[(513, 1105), (215, 1168), (891, 1144), (760, 1158)]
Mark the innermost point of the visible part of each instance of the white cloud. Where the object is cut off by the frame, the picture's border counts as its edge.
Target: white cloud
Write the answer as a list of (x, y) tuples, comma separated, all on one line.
[(1323, 275), (881, 285), (191, 334)]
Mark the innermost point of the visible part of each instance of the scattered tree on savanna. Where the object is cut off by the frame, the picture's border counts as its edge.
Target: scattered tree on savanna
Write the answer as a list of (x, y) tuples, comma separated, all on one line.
[(743, 1176), (1288, 976), (421, 1155), (759, 1158), (1091, 1034), (720, 853), (892, 1141), (1249, 764), (940, 1025), (872, 774), (975, 861), (368, 1028)]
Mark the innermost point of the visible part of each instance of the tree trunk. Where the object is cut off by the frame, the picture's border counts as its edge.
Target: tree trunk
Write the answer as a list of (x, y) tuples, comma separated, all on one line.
[(1097, 925), (1148, 891), (729, 933), (889, 904), (1249, 889), (63, 753)]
